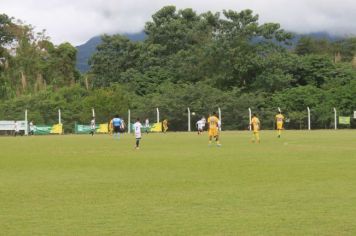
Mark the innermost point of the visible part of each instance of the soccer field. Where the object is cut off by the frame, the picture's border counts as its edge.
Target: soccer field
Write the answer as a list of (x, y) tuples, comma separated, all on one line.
[(301, 184)]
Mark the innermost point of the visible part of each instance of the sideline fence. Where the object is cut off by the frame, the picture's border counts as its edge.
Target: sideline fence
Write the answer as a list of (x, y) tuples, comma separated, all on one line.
[(236, 119)]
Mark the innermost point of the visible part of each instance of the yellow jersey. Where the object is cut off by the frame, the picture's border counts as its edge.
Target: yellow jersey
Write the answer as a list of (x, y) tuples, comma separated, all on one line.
[(213, 122), (279, 118), (255, 123)]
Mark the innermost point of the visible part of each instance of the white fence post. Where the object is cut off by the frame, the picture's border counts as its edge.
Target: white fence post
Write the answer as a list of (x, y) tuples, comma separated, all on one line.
[(189, 128), (250, 117), (309, 127), (129, 121), (335, 119), (26, 125), (59, 117), (157, 115)]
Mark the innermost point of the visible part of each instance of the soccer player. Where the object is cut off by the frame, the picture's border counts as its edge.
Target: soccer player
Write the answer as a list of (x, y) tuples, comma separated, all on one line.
[(116, 123), (200, 125), (204, 122), (279, 123), (32, 128), (16, 128), (92, 126), (165, 125), (255, 126), (137, 128), (111, 126), (213, 122), (122, 127), (147, 125)]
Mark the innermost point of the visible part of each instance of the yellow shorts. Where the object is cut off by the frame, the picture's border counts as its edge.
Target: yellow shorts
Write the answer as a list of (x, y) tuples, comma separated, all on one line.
[(279, 125), (213, 132)]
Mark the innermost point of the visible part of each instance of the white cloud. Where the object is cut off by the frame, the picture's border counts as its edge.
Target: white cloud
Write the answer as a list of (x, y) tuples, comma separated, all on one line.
[(78, 20)]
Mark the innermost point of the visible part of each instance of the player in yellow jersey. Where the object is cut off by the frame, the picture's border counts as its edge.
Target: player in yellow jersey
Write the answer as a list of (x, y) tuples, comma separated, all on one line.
[(255, 127), (279, 123), (165, 125), (110, 127), (213, 122)]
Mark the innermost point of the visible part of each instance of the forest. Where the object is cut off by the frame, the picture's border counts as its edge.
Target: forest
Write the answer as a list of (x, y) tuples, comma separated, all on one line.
[(206, 61)]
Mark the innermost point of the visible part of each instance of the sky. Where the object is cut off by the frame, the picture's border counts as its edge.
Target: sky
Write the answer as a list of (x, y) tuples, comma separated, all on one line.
[(76, 21)]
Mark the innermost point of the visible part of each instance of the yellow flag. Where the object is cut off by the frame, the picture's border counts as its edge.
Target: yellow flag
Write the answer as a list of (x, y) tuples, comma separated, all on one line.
[(156, 127), (103, 128), (57, 129)]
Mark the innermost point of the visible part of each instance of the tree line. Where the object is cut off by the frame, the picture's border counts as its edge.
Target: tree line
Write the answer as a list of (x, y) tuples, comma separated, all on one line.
[(202, 61)]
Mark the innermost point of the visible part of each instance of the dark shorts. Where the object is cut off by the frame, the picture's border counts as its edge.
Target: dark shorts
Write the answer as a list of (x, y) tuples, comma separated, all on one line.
[(117, 129)]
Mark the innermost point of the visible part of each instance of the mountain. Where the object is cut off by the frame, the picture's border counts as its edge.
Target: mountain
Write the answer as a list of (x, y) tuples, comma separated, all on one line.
[(87, 49), (319, 35)]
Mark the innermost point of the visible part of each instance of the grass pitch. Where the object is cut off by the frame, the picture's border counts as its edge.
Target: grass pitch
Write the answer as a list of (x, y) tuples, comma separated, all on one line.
[(301, 184)]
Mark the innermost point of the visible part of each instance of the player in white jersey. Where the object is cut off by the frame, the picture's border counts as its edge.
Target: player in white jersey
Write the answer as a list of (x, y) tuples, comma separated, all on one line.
[(204, 122), (32, 128), (16, 128), (92, 126), (137, 128), (147, 125), (200, 125)]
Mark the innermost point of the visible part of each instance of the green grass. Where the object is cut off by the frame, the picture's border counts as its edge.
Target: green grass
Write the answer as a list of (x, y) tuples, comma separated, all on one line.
[(301, 184)]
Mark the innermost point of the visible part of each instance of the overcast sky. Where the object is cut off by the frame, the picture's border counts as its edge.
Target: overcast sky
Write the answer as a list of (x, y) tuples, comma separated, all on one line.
[(76, 21)]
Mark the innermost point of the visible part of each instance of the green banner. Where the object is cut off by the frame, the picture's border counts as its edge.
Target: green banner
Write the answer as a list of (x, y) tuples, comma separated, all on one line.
[(155, 127), (42, 129), (344, 120), (143, 128), (84, 129), (47, 129)]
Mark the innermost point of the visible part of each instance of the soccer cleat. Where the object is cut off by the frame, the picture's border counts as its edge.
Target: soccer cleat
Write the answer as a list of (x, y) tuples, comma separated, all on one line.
[(218, 145)]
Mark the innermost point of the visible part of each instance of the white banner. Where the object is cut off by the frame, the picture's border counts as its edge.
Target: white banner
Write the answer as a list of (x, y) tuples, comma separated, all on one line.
[(9, 125)]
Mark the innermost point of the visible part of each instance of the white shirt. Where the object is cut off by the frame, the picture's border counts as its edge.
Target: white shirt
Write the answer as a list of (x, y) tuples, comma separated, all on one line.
[(204, 121), (32, 127), (137, 128), (200, 124), (16, 127), (147, 123), (92, 124)]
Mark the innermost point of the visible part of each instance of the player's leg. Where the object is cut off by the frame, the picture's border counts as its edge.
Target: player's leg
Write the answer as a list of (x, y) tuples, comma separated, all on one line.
[(257, 135), (253, 137), (217, 140), (116, 132), (210, 137), (137, 143), (279, 129)]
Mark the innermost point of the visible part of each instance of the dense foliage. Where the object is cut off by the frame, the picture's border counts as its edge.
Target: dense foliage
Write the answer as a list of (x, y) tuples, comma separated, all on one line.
[(202, 61)]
